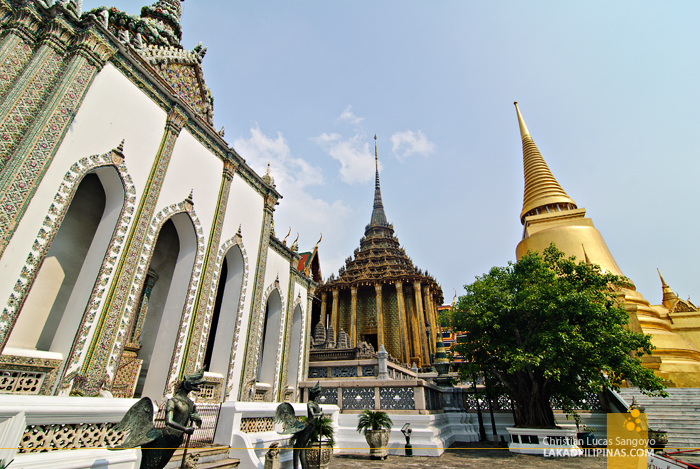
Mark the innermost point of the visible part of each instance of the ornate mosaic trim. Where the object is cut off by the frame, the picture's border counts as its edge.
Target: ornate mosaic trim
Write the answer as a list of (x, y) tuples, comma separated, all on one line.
[(206, 293), (248, 377), (13, 65), (280, 333), (25, 100), (19, 182), (47, 233), (397, 398), (343, 371), (61, 436), (318, 372), (328, 396), (257, 424), (229, 244), (141, 269), (358, 398), (288, 341), (10, 364)]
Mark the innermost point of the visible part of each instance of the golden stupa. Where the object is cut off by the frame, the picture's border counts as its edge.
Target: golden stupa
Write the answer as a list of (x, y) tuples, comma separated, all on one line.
[(549, 215)]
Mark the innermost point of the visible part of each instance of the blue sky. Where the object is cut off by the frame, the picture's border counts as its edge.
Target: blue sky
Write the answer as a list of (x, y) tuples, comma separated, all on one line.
[(609, 91)]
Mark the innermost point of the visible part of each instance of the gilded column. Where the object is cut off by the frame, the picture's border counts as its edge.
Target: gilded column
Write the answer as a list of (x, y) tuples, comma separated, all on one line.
[(196, 345), (255, 326), (26, 98), (416, 346), (21, 27), (403, 323), (421, 323), (334, 316), (323, 308), (107, 342), (353, 316), (22, 174), (380, 318), (431, 317)]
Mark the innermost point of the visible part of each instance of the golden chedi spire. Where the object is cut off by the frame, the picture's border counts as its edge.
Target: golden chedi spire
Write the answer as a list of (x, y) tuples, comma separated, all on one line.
[(670, 299), (542, 191), (550, 216)]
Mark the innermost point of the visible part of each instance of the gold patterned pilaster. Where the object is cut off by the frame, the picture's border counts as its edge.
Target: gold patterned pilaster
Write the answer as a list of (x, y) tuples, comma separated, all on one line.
[(421, 323), (105, 342), (323, 308), (431, 318), (380, 316), (255, 325), (353, 316), (334, 316), (405, 357), (198, 334), (27, 164)]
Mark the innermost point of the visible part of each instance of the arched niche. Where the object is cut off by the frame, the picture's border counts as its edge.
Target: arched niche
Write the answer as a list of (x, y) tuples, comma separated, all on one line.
[(271, 332), (224, 317), (51, 315), (295, 349), (171, 264)]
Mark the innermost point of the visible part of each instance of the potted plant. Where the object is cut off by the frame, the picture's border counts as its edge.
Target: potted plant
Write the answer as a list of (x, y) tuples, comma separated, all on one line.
[(324, 426), (658, 439), (375, 424), (585, 437)]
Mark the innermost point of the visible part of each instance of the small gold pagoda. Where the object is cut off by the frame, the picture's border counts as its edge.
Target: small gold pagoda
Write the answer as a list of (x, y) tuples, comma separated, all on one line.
[(549, 215), (380, 297)]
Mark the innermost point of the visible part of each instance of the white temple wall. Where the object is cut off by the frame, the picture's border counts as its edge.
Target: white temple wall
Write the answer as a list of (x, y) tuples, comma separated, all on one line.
[(192, 167), (113, 109)]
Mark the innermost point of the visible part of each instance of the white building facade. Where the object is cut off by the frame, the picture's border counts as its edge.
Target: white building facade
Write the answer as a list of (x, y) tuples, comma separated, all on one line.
[(136, 245)]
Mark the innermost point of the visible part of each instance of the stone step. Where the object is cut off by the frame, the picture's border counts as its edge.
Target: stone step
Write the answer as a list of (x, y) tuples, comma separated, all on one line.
[(207, 455), (220, 464)]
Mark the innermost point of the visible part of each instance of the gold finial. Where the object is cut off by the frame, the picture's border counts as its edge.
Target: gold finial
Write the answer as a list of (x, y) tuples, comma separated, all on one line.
[(319, 240), (295, 242), (454, 299), (284, 241), (268, 169), (376, 158), (542, 191), (521, 122)]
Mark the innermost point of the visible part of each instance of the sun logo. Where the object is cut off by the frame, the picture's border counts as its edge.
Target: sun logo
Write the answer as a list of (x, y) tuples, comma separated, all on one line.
[(634, 421)]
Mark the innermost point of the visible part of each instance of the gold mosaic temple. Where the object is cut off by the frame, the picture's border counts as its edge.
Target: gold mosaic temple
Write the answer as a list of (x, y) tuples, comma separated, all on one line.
[(380, 297)]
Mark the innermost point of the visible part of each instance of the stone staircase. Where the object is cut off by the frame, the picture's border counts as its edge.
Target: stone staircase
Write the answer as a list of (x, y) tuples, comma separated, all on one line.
[(210, 457), (677, 414)]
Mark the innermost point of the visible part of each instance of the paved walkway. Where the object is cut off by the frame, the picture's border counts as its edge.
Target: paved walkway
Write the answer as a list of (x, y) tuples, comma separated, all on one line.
[(467, 455)]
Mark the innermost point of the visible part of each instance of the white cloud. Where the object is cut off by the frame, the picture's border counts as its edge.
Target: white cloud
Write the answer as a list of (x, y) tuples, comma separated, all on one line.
[(407, 143), (349, 116), (297, 209), (354, 154), (259, 150)]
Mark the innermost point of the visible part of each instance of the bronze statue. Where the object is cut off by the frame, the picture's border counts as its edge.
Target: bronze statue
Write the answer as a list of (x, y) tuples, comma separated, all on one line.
[(158, 446), (302, 432)]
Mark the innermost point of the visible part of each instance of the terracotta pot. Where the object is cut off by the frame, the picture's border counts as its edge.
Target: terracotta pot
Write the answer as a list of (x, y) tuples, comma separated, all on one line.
[(377, 441), (312, 455)]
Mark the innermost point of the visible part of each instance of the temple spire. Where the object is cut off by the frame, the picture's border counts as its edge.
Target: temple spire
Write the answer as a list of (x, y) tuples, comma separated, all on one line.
[(542, 191), (378, 215), (670, 298)]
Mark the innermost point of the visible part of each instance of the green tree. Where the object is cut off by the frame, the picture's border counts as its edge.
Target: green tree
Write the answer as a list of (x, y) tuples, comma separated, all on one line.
[(546, 327)]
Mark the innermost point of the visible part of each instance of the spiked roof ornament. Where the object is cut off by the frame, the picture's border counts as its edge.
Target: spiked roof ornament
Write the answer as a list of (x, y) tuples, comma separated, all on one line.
[(378, 215), (542, 190), (669, 298)]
